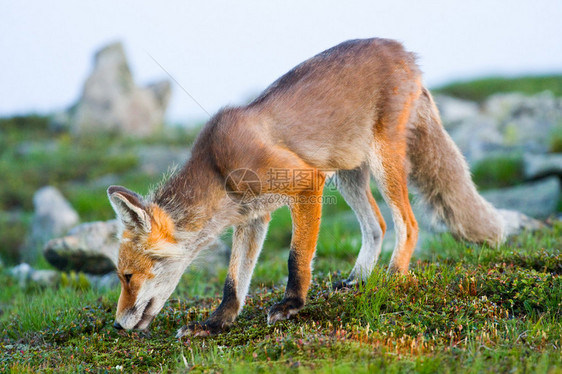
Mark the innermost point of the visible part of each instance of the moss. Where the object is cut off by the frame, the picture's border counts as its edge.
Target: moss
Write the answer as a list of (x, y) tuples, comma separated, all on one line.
[(13, 232), (465, 309), (499, 171), (555, 139), (480, 89)]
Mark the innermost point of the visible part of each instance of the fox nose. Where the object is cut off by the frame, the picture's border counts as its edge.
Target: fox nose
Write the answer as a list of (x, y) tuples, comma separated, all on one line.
[(117, 326)]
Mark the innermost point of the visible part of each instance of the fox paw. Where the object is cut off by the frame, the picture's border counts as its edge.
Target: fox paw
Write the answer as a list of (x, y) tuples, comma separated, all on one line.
[(284, 310), (202, 329), (346, 284)]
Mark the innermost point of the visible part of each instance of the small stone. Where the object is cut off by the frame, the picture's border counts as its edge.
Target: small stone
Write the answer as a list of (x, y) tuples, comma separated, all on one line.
[(21, 273), (45, 278), (104, 282)]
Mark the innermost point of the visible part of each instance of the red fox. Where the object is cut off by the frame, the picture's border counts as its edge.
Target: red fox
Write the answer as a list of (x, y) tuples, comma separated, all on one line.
[(357, 109)]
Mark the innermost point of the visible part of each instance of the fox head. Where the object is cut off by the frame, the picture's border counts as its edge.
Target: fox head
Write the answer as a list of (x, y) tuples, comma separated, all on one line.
[(150, 262)]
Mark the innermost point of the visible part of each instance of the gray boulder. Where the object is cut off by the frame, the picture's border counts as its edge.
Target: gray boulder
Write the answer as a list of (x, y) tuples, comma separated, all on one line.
[(505, 123), (541, 165), (477, 137), (112, 102), (155, 160), (53, 217), (525, 121), (538, 199), (90, 247), (454, 111)]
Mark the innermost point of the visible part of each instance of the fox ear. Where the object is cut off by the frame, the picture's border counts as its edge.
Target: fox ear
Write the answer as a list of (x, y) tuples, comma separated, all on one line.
[(129, 208)]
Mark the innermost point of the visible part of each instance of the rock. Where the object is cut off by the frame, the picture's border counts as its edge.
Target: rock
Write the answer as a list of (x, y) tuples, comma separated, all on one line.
[(155, 160), (525, 121), (477, 137), (101, 282), (516, 222), (539, 166), (537, 199), (21, 273), (93, 248), (53, 217), (112, 102), (453, 110), (506, 123), (90, 247), (45, 278)]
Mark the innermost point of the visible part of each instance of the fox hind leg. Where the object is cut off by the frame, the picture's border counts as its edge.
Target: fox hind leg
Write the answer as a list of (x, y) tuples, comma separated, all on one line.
[(355, 189), (305, 213), (389, 171)]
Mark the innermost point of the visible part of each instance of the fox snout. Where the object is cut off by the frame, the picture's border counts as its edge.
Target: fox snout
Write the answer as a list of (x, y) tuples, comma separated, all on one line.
[(136, 318)]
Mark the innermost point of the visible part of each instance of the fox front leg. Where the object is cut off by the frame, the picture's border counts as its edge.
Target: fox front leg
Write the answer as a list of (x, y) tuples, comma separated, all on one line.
[(246, 246)]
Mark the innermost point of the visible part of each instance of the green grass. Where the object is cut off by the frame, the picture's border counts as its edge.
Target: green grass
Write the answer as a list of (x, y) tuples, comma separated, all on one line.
[(462, 308), (498, 171), (555, 139), (33, 156), (480, 89)]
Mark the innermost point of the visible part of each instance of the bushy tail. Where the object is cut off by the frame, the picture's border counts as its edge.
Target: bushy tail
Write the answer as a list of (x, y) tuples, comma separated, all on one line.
[(440, 172)]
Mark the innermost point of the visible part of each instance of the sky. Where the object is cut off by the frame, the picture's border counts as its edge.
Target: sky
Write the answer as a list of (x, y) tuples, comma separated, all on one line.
[(225, 52)]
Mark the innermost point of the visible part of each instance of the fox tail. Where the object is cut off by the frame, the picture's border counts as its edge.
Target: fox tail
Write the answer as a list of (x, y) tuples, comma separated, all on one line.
[(440, 172)]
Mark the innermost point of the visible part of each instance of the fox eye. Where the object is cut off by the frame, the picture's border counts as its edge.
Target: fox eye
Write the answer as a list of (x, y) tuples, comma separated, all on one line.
[(127, 277)]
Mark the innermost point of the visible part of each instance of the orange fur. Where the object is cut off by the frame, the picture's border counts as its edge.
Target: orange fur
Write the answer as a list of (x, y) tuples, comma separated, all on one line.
[(131, 261), (376, 209), (357, 107), (163, 227)]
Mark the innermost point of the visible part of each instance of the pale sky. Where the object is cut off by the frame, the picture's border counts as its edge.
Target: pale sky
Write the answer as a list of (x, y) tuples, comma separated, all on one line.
[(223, 52)]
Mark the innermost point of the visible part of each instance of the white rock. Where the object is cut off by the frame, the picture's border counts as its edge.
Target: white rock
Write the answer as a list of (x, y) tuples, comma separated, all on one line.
[(53, 217), (21, 272), (90, 247), (111, 101)]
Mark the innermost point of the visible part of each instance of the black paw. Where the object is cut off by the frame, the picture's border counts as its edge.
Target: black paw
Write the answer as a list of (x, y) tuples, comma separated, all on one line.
[(284, 310), (346, 284), (203, 329)]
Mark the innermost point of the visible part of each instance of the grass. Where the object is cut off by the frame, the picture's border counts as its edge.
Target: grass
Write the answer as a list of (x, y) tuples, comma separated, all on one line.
[(462, 308), (32, 156), (498, 171), (480, 89)]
